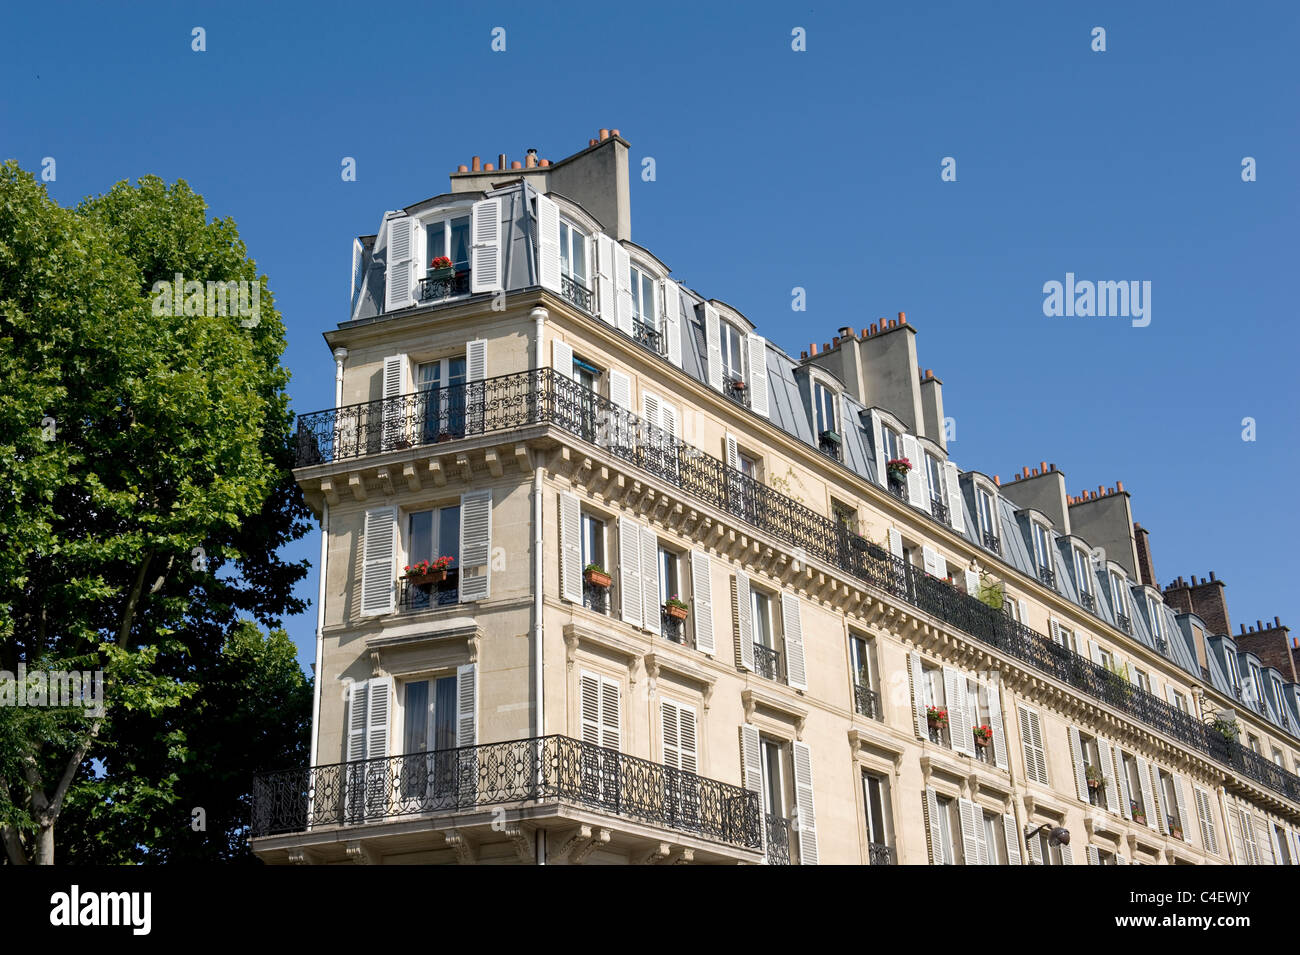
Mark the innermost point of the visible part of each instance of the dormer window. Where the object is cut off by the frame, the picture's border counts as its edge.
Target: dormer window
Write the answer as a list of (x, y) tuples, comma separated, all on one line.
[(1083, 576), (573, 254), (1153, 618), (446, 240), (985, 511), (1043, 554), (643, 297), (1119, 599), (826, 424)]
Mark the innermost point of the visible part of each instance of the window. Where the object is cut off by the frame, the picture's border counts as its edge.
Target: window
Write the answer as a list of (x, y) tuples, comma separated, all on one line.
[(733, 347), (1141, 679), (995, 837), (428, 738), (573, 253), (748, 465), (844, 515), (1011, 607), (1254, 744), (1281, 839), (1083, 571), (1065, 637), (1031, 739), (1169, 803), (1042, 550), (767, 650), (1277, 757), (935, 695), (593, 552), (950, 832), (1092, 767), (889, 437), (1137, 802), (1106, 658), (670, 585), (824, 406), (1179, 700), (1046, 853), (432, 534), (643, 297), (866, 700), (934, 472), (449, 237), (1119, 598), (986, 513), (778, 798), (1155, 622), (880, 835), (441, 384)]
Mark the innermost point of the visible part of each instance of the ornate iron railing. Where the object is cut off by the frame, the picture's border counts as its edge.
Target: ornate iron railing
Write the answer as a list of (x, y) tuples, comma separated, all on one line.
[(940, 511), (867, 702), (1088, 601), (595, 598), (529, 770), (543, 396), (992, 543), (767, 663), (778, 839), (576, 293), (736, 390), (432, 289), (1047, 576), (878, 854), (1123, 623), (643, 333), (671, 628), (427, 596)]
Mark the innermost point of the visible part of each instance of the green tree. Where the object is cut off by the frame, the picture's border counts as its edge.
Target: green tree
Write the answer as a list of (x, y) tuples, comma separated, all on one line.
[(145, 460)]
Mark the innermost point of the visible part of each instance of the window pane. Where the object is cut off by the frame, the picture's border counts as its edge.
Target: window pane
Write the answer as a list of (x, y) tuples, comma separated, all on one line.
[(416, 736), (421, 537), (460, 243), (444, 714), (579, 257), (449, 533), (437, 240)]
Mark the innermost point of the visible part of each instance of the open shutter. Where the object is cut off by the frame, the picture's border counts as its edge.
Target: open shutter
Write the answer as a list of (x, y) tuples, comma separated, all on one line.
[(358, 274), (610, 720), (485, 255), (1022, 609), (878, 446), (548, 243), (562, 357), (396, 375), (651, 409), (1035, 847), (751, 764), (1144, 783), (671, 734), (983, 851), (1094, 857), (606, 290), (650, 606), (795, 672), (915, 480), (1208, 838), (744, 623), (1013, 838), (671, 295), (1111, 790), (620, 389), (1031, 741), (732, 451), (378, 572), (756, 345), (399, 282), (959, 726), (896, 543), (589, 708), (1076, 756), (570, 547), (686, 738), (1067, 855), (623, 289), (1161, 809), (629, 565), (1125, 797), (803, 798), (713, 346), (952, 487), (702, 597), (476, 359), (972, 583), (934, 563), (933, 829), (1095, 651), (358, 710), (970, 829), (1180, 799), (467, 705), (995, 724), (1240, 856), (915, 674), (380, 703), (475, 545)]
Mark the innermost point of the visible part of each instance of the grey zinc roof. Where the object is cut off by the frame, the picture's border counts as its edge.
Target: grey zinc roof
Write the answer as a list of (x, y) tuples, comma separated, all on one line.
[(786, 405), (1014, 551), (1181, 650), (859, 455)]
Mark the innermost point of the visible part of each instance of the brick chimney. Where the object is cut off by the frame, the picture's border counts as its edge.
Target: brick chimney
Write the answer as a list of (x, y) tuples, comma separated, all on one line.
[(1043, 490), (1104, 519), (1271, 642), (879, 368), (1204, 597), (1146, 568)]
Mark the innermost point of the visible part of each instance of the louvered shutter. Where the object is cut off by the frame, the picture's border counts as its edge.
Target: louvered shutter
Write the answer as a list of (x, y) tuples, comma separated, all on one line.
[(1159, 797), (1076, 755), (1022, 608), (878, 446), (1240, 856), (467, 705), (995, 724), (623, 288), (671, 735), (952, 484), (358, 274), (983, 851), (796, 674), (1067, 855), (610, 719), (668, 421), (1094, 857), (570, 547), (562, 357), (378, 572), (620, 389), (803, 797), (380, 702), (751, 765), (896, 543), (475, 546), (1209, 839), (629, 565), (650, 408), (671, 296), (358, 710), (485, 254), (650, 604), (1144, 783), (1120, 860), (1035, 847), (399, 281), (589, 707), (1248, 831), (1031, 740), (1263, 841), (608, 294), (934, 563), (476, 359), (915, 482), (396, 376), (933, 829), (959, 725), (713, 346), (1111, 790), (1012, 835), (744, 623), (756, 346), (1180, 800), (1055, 629), (1125, 797), (733, 452), (972, 583), (702, 598), (548, 243), (915, 674), (1095, 651), (688, 753), (969, 832)]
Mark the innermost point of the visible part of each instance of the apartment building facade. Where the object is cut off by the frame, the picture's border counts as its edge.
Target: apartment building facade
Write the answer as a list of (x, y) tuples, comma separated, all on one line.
[(679, 607)]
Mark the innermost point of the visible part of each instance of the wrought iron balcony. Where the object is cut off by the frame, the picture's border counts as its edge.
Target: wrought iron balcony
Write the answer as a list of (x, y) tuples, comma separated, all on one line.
[(736, 390), (1123, 623), (992, 543), (430, 596), (647, 335), (595, 598), (542, 769), (778, 839), (672, 628), (898, 489), (432, 289), (939, 510), (878, 854), (1047, 576), (1087, 601), (576, 293), (768, 663), (828, 446), (867, 702)]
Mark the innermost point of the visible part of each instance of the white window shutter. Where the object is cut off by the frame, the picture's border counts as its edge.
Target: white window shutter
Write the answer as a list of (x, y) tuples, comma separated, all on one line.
[(605, 288), (548, 244), (972, 583), (915, 482), (622, 284), (671, 734), (378, 567), (983, 851), (744, 623), (1076, 756), (756, 345), (687, 739), (629, 566), (934, 564), (562, 357), (668, 420), (1108, 773), (702, 598), (397, 375), (878, 445), (1181, 799), (1012, 834), (650, 606), (1240, 855), (671, 295), (380, 705), (570, 547), (796, 674), (804, 806), (896, 543), (915, 674), (969, 832), (995, 724), (399, 281), (751, 765), (476, 359), (1144, 782), (358, 710), (1094, 857), (467, 705), (1209, 838), (589, 707), (733, 452), (475, 545), (1034, 845), (713, 346), (1055, 629), (959, 724), (1031, 741), (620, 389), (611, 734), (933, 832), (650, 408), (485, 253), (1067, 855), (358, 274), (1022, 608), (1095, 652), (952, 487), (1159, 799), (1125, 797), (1169, 695)]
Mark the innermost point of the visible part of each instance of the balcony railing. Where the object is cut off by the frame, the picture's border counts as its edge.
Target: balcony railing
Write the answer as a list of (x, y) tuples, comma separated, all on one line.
[(1087, 601), (778, 839), (1123, 623), (595, 598), (736, 390), (576, 293), (547, 768), (432, 289), (429, 596), (1047, 576), (940, 511), (992, 543), (647, 335), (867, 702), (878, 854), (671, 628), (767, 663), (544, 396)]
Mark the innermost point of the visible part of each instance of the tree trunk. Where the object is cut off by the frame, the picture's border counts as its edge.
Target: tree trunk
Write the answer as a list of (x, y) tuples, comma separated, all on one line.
[(44, 854)]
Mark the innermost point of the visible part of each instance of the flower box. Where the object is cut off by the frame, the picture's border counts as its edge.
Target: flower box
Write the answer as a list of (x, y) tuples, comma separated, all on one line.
[(434, 577), (676, 612), (597, 577), (442, 275), (441, 268), (937, 717), (832, 436), (428, 571), (983, 735)]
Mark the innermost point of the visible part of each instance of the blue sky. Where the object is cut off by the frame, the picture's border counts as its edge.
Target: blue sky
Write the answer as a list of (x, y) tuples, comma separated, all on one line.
[(776, 169)]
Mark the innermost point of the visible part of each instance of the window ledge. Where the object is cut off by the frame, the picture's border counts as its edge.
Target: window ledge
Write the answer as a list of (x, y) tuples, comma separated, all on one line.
[(576, 634), (656, 663)]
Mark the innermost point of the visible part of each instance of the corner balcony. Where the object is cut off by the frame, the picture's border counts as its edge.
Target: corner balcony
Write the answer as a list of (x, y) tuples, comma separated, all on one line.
[(494, 794)]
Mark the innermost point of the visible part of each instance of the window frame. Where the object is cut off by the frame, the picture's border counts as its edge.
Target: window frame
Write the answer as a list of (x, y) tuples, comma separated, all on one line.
[(566, 252), (637, 289), (727, 335)]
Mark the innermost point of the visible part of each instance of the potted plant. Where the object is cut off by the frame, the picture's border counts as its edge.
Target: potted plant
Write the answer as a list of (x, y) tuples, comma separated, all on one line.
[(1095, 778), (937, 717), (595, 575), (1177, 832), (898, 469), (429, 571), (676, 608), (738, 385), (983, 735), (832, 436), (1139, 814), (1227, 728), (441, 268)]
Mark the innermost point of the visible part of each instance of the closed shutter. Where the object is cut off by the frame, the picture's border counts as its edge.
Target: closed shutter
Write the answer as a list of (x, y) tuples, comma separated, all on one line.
[(476, 359), (650, 408), (1031, 739), (896, 543), (933, 828), (399, 281), (878, 446), (1067, 855), (1012, 834), (650, 605), (732, 452), (744, 623), (467, 705), (1076, 756), (679, 736), (952, 484), (570, 547), (610, 722), (756, 345), (984, 854), (589, 708), (380, 704), (562, 357), (548, 243), (623, 288), (485, 256), (668, 421), (396, 375), (475, 545), (994, 692), (620, 389), (1180, 798), (751, 766), (1248, 832), (1095, 651), (915, 481), (1144, 784), (1055, 629), (1263, 841), (671, 296), (959, 725), (796, 674), (1209, 838), (803, 797), (1125, 797), (358, 274), (972, 583), (1159, 799), (378, 571), (934, 563), (702, 598), (605, 288), (358, 703), (970, 829), (1094, 857), (629, 566), (1035, 847), (1111, 789), (1240, 856), (713, 346), (915, 674)]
